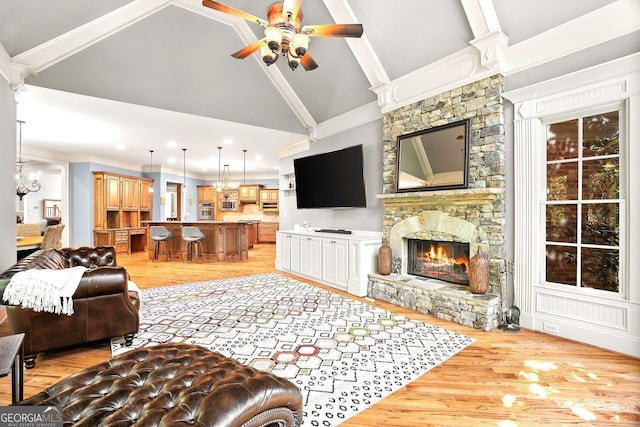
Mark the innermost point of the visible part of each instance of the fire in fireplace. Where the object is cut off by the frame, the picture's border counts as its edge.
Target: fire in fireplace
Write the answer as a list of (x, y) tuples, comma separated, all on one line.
[(448, 261)]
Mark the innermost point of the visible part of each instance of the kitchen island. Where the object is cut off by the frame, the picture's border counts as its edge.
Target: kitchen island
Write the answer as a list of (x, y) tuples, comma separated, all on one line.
[(224, 240)]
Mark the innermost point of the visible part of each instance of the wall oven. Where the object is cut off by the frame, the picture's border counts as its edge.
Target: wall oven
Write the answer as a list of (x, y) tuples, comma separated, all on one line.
[(228, 205), (206, 211)]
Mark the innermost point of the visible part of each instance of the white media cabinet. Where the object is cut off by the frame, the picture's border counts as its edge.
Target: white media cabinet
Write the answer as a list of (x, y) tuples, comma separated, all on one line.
[(342, 261)]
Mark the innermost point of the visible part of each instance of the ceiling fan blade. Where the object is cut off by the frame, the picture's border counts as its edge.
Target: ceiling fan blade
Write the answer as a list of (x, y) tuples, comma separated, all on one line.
[(233, 11), (249, 49), (333, 30), (291, 8), (308, 63)]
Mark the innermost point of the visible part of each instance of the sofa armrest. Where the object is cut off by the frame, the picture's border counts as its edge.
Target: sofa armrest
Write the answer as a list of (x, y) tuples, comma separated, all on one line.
[(102, 281), (3, 285)]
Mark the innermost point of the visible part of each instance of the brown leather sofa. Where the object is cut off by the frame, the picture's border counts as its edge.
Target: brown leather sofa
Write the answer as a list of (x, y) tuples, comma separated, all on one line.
[(174, 384), (102, 304)]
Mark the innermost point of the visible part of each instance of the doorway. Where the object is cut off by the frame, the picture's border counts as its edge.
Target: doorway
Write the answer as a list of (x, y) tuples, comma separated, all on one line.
[(174, 202)]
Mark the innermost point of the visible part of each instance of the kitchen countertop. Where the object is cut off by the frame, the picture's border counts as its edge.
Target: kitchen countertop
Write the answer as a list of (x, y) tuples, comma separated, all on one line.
[(206, 221)]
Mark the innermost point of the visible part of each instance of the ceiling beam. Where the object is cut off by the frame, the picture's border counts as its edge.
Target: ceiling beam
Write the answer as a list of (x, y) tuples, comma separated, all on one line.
[(342, 13), (482, 17)]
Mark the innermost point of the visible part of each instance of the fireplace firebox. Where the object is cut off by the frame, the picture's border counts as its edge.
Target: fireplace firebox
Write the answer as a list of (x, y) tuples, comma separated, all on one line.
[(448, 261)]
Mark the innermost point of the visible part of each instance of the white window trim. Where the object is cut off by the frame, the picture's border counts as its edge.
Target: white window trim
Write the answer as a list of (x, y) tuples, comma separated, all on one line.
[(624, 285), (612, 322)]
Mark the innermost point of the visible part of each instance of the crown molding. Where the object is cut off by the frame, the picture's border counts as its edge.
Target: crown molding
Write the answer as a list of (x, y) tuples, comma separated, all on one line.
[(607, 23), (294, 148), (452, 71)]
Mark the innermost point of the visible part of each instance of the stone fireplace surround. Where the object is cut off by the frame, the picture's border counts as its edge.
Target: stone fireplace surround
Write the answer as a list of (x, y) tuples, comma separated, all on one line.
[(475, 215)]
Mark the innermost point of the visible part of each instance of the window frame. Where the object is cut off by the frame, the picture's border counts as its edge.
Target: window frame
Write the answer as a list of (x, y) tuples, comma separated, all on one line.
[(579, 114)]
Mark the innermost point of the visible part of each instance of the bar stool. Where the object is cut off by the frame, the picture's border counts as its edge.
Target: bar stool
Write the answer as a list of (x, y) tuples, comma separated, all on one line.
[(193, 238), (160, 234)]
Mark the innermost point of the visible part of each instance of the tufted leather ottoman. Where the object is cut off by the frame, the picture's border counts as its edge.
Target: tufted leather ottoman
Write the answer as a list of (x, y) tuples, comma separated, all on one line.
[(172, 385)]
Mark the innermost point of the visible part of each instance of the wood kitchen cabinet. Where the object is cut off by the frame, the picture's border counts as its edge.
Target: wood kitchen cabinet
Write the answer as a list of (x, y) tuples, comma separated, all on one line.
[(206, 194), (269, 198), (130, 193), (249, 193), (111, 191), (121, 204), (267, 232), (146, 195)]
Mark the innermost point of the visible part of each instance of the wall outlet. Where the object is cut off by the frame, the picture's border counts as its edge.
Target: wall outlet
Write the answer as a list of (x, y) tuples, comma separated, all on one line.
[(552, 328)]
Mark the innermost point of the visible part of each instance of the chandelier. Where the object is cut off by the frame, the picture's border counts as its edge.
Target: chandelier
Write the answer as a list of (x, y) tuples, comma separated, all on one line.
[(22, 173), (225, 186)]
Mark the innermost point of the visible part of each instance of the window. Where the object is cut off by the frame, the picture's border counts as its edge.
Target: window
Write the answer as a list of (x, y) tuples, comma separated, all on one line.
[(582, 207)]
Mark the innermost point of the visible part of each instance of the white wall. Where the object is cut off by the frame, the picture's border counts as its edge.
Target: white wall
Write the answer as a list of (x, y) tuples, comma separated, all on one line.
[(51, 188), (369, 218), (7, 179)]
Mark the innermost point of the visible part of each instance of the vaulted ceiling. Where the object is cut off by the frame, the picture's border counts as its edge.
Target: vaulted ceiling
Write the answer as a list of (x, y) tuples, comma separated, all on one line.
[(157, 74)]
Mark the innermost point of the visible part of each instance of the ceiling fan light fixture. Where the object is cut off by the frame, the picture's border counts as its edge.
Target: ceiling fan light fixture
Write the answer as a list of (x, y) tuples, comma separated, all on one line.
[(284, 34), (268, 56), (273, 37), (293, 61), (300, 44)]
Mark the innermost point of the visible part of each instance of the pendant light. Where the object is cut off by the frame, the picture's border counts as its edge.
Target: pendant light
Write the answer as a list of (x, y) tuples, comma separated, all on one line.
[(151, 170), (244, 167), (22, 173), (184, 170), (219, 185)]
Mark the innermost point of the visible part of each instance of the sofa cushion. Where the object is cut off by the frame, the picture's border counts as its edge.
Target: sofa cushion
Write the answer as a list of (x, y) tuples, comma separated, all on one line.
[(90, 257), (174, 384), (43, 259)]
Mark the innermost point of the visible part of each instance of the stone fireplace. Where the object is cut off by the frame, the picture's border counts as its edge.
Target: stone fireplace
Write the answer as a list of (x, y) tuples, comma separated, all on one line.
[(474, 216)]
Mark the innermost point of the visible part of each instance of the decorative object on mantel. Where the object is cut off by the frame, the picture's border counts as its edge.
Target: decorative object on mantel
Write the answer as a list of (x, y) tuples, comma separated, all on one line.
[(385, 258), (479, 273), (22, 173)]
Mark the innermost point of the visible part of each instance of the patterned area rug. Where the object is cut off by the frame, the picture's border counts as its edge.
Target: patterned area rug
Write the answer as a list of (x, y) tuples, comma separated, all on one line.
[(344, 355)]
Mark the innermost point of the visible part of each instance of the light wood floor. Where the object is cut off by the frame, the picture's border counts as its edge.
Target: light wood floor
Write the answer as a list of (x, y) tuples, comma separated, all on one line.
[(503, 379)]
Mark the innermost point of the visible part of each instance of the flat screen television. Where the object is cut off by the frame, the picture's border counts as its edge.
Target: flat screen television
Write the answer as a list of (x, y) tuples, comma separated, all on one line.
[(331, 180)]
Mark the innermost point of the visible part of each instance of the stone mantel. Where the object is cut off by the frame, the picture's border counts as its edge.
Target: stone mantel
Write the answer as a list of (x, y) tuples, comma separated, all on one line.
[(472, 195)]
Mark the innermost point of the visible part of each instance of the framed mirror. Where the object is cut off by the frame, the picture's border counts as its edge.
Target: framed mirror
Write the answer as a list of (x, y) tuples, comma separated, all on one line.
[(433, 159)]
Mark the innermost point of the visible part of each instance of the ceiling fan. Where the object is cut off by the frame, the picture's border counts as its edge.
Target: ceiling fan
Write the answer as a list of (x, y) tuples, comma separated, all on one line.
[(283, 33)]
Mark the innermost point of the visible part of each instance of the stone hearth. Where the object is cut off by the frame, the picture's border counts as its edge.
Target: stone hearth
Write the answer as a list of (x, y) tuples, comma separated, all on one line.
[(440, 299)]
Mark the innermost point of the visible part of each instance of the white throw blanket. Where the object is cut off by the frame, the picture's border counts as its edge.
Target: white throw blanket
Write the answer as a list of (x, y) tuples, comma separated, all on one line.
[(45, 290)]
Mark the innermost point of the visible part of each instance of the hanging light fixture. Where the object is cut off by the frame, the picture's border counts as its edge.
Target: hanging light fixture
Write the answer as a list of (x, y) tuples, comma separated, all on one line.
[(184, 170), (22, 173), (151, 170), (219, 184), (244, 167), (225, 186)]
